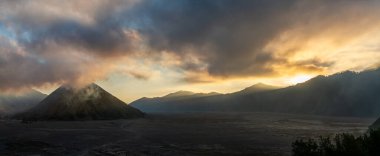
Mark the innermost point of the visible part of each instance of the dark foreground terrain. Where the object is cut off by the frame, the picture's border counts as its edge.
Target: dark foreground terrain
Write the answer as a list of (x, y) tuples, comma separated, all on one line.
[(173, 134)]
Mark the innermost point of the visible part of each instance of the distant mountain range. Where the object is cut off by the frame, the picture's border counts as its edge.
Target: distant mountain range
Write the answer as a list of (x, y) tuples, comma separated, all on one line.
[(88, 103), (14, 103), (185, 94), (170, 101), (189, 101), (342, 94)]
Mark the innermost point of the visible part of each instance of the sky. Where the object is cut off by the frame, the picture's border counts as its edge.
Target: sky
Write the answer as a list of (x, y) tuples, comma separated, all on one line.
[(148, 48)]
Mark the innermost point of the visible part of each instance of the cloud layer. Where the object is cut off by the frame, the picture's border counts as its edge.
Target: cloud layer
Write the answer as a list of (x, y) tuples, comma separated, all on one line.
[(45, 42)]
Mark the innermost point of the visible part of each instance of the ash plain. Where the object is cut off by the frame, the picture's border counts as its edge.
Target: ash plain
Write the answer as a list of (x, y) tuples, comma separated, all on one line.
[(166, 134)]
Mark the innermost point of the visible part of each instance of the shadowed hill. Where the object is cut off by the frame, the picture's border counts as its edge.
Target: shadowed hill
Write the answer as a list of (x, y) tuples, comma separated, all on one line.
[(15, 103), (88, 103), (342, 94)]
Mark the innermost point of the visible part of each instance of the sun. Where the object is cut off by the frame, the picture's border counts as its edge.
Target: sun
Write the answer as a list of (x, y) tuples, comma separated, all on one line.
[(299, 79)]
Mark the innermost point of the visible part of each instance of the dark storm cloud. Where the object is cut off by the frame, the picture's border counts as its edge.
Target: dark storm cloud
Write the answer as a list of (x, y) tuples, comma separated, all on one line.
[(18, 70), (106, 35), (100, 39), (229, 34)]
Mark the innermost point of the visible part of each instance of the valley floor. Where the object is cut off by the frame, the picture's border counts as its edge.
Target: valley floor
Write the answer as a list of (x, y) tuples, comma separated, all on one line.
[(173, 134)]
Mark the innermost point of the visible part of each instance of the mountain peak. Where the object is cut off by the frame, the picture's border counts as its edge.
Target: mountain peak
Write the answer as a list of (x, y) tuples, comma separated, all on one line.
[(180, 93), (260, 84)]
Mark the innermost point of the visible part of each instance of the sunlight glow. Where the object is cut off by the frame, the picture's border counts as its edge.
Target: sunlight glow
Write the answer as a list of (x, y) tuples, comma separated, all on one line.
[(299, 79)]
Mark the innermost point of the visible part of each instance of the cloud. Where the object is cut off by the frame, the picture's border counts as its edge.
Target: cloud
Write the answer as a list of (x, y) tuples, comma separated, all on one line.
[(45, 42), (257, 38), (21, 69), (40, 23), (139, 75), (228, 34)]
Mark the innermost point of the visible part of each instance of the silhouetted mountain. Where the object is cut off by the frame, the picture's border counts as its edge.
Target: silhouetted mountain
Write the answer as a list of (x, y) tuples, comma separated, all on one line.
[(150, 104), (19, 102), (188, 94), (343, 94), (189, 101), (88, 103)]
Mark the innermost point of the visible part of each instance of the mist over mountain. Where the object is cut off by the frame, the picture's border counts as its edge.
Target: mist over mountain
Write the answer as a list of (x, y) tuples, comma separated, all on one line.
[(15, 103), (88, 103), (342, 94)]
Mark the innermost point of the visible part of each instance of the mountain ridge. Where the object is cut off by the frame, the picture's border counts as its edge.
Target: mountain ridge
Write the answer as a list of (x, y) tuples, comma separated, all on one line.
[(150, 104), (342, 94)]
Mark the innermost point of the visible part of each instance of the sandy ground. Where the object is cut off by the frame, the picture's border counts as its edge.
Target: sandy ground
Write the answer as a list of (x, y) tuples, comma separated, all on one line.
[(172, 134)]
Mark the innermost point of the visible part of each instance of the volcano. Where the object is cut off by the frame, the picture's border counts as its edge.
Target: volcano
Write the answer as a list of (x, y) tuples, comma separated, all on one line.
[(88, 103)]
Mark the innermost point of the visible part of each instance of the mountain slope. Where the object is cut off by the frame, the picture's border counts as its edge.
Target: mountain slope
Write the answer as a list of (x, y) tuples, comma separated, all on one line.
[(342, 94), (15, 103), (88, 103)]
